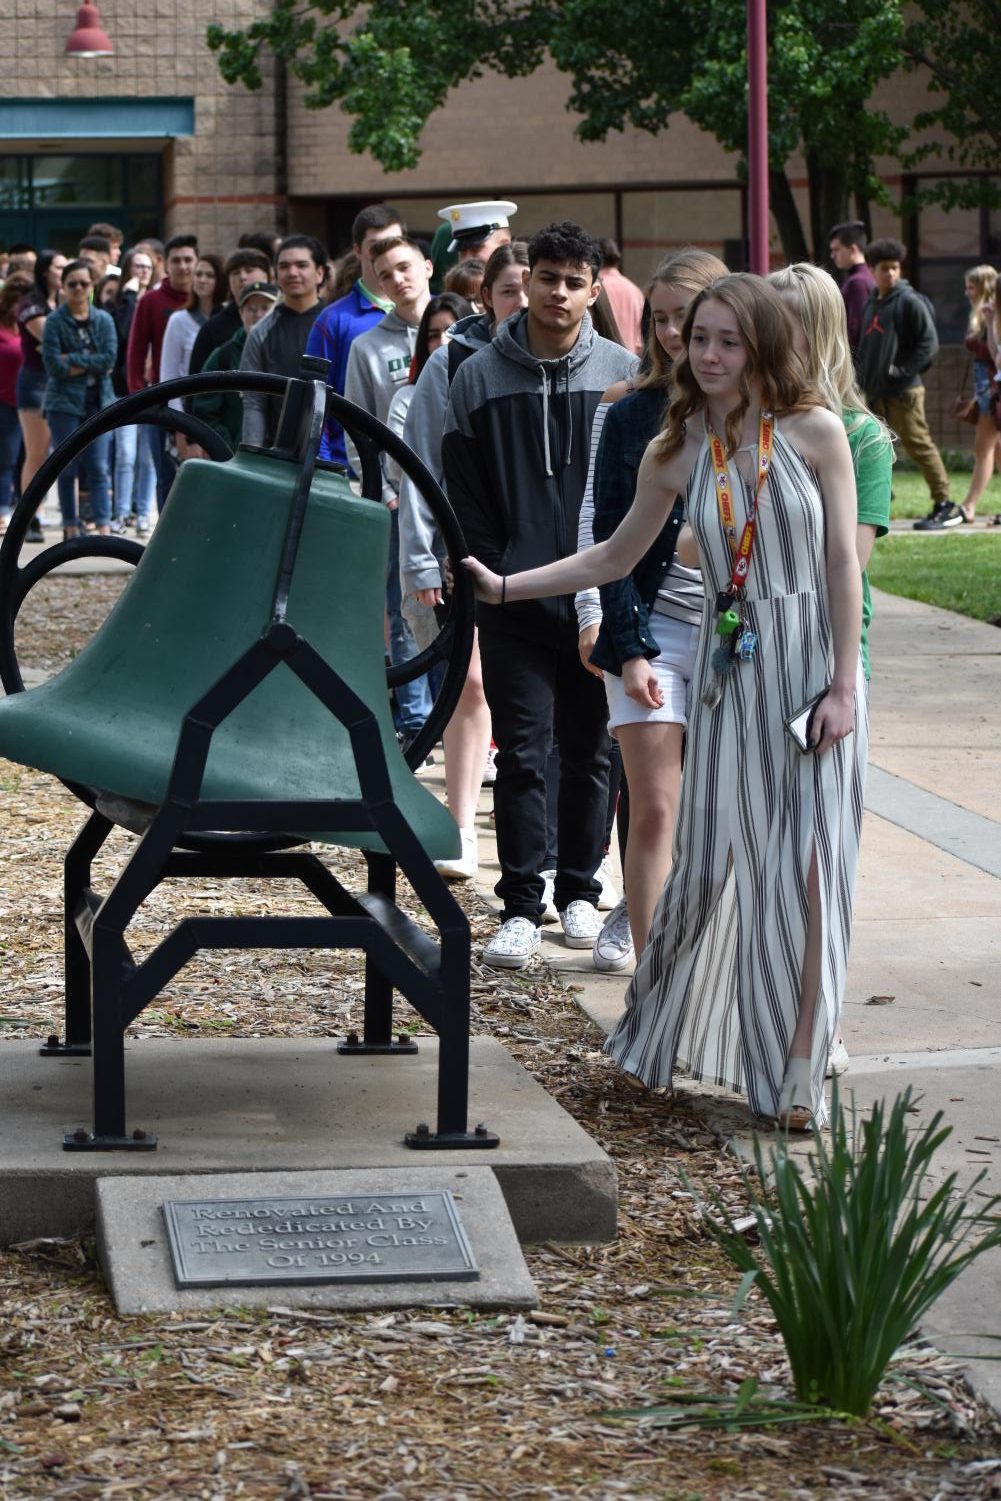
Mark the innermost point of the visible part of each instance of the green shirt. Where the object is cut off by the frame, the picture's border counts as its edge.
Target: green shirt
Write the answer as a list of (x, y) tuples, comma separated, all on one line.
[(872, 460), (384, 303)]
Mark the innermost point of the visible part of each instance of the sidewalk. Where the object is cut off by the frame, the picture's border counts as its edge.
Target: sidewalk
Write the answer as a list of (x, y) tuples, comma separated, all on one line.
[(924, 987)]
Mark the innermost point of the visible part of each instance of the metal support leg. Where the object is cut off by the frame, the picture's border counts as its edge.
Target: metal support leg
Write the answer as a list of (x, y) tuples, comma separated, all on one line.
[(453, 1059), (76, 880), (378, 1035), (109, 1134)]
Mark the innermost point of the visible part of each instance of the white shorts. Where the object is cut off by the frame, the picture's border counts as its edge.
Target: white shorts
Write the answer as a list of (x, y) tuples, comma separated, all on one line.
[(673, 669)]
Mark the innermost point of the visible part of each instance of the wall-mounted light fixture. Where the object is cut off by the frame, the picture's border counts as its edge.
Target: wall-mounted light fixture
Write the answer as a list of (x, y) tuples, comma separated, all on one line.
[(89, 39)]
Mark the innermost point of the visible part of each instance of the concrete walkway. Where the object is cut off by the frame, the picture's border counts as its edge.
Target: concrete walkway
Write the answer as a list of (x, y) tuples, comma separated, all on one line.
[(923, 1002)]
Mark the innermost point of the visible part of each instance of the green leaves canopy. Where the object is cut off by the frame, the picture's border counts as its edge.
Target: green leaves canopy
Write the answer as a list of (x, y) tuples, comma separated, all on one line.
[(392, 63)]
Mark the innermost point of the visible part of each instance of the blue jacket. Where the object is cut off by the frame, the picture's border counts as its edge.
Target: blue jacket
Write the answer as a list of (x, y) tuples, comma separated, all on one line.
[(625, 605), (331, 337), (63, 347)]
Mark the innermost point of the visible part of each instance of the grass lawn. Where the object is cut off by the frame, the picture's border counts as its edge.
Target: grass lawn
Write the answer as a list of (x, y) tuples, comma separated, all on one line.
[(911, 499), (955, 572)]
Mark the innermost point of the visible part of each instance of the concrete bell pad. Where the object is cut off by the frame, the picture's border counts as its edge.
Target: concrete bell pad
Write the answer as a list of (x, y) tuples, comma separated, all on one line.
[(226, 1105), (135, 1256)]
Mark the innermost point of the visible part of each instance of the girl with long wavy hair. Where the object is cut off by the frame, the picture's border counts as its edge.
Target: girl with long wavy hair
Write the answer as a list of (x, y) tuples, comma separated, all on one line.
[(742, 980)]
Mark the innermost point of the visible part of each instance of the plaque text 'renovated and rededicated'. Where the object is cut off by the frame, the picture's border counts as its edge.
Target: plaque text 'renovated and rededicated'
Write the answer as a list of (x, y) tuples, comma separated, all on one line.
[(411, 1237)]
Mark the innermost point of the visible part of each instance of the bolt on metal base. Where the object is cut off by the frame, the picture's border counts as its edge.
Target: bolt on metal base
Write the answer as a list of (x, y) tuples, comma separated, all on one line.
[(424, 1139), (355, 1044), (86, 1141), (53, 1048)]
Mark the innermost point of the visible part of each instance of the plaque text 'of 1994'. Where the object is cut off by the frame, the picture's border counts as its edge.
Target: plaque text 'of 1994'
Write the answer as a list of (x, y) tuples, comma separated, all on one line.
[(412, 1237)]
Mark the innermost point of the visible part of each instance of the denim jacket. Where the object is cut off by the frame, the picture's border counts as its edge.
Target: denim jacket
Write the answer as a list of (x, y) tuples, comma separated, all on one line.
[(625, 605), (62, 347)]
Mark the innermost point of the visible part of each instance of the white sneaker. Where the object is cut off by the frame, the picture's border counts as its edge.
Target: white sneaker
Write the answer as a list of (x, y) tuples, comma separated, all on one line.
[(613, 947), (466, 863), (837, 1060), (549, 912), (608, 897), (581, 925), (490, 768), (513, 944)]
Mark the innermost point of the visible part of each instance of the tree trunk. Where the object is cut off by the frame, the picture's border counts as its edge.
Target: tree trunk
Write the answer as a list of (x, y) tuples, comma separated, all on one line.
[(786, 216), (828, 202)]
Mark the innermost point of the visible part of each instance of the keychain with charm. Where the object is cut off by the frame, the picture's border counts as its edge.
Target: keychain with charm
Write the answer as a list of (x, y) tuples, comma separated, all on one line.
[(738, 642)]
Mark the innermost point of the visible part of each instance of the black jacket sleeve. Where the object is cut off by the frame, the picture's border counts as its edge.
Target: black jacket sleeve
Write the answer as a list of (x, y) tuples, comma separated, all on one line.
[(203, 346), (623, 612)]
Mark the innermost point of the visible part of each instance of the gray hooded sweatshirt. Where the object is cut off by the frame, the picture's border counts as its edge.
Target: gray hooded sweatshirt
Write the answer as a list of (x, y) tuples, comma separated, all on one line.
[(378, 365)]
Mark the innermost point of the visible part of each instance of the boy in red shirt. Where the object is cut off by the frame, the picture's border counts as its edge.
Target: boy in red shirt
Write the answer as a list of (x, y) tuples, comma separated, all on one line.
[(142, 362)]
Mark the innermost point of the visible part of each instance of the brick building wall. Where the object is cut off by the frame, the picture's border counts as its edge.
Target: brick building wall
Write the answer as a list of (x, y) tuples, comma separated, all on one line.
[(218, 182)]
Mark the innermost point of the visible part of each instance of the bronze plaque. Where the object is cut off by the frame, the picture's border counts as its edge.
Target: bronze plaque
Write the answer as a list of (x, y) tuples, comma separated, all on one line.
[(370, 1237)]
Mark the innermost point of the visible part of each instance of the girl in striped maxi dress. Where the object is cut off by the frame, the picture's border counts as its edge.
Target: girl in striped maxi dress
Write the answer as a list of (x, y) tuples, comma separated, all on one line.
[(743, 977)]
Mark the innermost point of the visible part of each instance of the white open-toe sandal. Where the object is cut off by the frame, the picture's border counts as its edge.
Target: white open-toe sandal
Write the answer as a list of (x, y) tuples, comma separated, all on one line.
[(795, 1112)]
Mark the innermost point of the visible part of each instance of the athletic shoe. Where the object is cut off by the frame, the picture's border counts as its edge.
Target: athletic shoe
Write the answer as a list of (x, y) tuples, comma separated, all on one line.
[(465, 864), (513, 944), (549, 912), (943, 514), (490, 767), (838, 1059), (608, 897), (581, 925), (34, 532), (613, 947), (118, 528)]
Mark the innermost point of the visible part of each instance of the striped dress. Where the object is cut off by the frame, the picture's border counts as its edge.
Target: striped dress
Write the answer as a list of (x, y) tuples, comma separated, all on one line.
[(717, 988)]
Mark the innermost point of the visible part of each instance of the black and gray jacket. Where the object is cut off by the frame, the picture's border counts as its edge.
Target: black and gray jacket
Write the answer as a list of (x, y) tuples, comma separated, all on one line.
[(515, 456), (898, 341)]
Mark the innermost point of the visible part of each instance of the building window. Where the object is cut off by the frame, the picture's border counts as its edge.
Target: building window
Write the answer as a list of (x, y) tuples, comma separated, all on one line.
[(52, 199)]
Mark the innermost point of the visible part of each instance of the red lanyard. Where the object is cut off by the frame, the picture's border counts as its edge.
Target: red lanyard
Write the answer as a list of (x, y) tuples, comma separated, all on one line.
[(741, 552)]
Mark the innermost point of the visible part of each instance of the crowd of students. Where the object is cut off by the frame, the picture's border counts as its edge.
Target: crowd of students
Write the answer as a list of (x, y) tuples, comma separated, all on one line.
[(670, 497)]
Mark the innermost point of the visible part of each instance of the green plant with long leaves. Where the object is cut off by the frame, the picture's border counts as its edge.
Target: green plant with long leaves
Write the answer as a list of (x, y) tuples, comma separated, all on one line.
[(854, 1251)]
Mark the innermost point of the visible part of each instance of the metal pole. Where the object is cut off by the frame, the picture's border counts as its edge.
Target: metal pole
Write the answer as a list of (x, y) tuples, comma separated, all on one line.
[(757, 134)]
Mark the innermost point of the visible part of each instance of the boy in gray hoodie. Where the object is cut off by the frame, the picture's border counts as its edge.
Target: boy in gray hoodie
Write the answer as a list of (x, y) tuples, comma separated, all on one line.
[(515, 455), (379, 363)]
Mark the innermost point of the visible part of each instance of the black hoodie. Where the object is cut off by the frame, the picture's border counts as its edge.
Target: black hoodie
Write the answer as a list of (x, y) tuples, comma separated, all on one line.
[(898, 331), (515, 455)]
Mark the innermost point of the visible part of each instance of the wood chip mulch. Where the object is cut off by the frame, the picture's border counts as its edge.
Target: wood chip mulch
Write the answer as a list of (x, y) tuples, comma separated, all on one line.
[(275, 1405)]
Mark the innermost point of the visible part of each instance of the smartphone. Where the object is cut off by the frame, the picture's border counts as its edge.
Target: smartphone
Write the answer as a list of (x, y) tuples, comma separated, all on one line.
[(799, 726)]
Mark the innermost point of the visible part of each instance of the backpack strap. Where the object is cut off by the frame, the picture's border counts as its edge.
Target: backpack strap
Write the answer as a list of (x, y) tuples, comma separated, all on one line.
[(457, 353)]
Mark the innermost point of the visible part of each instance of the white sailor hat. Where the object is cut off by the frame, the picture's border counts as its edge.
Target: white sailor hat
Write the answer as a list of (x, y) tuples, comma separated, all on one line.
[(472, 223)]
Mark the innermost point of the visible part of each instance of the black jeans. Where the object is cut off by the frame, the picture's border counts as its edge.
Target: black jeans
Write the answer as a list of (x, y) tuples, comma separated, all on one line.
[(534, 688), (618, 802)]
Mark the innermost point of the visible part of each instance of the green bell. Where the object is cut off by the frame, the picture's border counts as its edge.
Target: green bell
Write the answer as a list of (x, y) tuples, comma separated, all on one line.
[(198, 599)]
